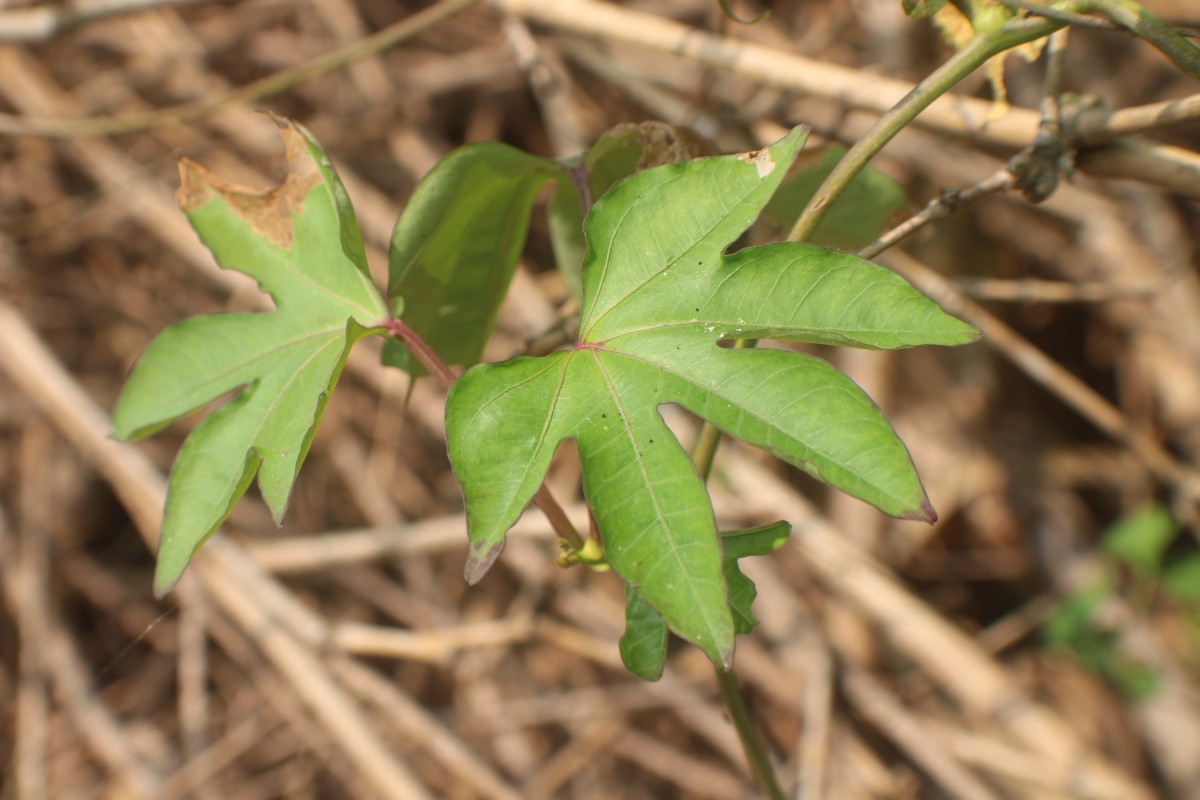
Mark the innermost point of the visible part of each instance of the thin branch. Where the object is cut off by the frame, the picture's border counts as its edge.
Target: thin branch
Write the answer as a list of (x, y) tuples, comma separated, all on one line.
[(1056, 52), (756, 754), (1136, 18), (950, 201), (1062, 15), (1088, 124), (1172, 168), (982, 47), (1031, 290), (958, 116), (253, 92), (46, 21), (608, 23)]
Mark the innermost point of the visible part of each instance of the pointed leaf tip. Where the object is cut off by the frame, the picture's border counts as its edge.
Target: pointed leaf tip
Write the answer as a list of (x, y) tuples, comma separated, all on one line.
[(928, 512), (164, 589), (480, 558)]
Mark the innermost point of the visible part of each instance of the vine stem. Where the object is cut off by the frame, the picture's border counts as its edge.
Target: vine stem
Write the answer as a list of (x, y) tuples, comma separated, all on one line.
[(1142, 23), (703, 453), (433, 363), (975, 53), (430, 360), (752, 744), (982, 47)]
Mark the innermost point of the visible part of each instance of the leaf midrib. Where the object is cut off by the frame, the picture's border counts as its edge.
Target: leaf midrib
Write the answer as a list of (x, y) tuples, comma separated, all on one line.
[(717, 393), (265, 417), (702, 240), (221, 377), (658, 513)]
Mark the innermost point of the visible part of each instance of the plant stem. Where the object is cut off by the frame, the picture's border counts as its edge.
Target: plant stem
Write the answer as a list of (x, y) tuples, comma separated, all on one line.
[(1142, 23), (965, 61), (982, 47), (421, 350), (558, 518), (703, 453), (752, 744), (435, 366)]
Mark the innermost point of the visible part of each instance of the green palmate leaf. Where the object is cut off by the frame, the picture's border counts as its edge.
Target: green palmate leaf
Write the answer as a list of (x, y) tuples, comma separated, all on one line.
[(855, 218), (644, 645), (658, 298), (456, 246), (302, 244)]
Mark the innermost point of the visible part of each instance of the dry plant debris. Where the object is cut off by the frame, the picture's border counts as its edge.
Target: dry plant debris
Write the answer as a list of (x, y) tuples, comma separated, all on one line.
[(343, 656)]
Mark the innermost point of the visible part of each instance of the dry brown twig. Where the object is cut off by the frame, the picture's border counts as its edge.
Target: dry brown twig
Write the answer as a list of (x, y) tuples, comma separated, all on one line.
[(57, 658), (953, 115), (981, 686), (382, 542), (272, 84), (43, 22), (874, 702), (281, 628), (1084, 399)]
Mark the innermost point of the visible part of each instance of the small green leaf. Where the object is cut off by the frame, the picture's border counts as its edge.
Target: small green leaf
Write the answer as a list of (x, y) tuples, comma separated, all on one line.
[(302, 244), (1135, 680), (644, 645), (740, 544), (564, 220), (921, 9), (619, 152), (1181, 579), (1141, 539), (1073, 621), (855, 219), (659, 296), (456, 246), (1074, 627)]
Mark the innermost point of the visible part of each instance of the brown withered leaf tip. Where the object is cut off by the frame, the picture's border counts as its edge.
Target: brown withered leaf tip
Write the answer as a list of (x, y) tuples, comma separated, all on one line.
[(267, 211)]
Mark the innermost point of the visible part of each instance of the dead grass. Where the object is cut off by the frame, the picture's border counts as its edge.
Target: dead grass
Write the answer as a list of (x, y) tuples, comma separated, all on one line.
[(343, 656)]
